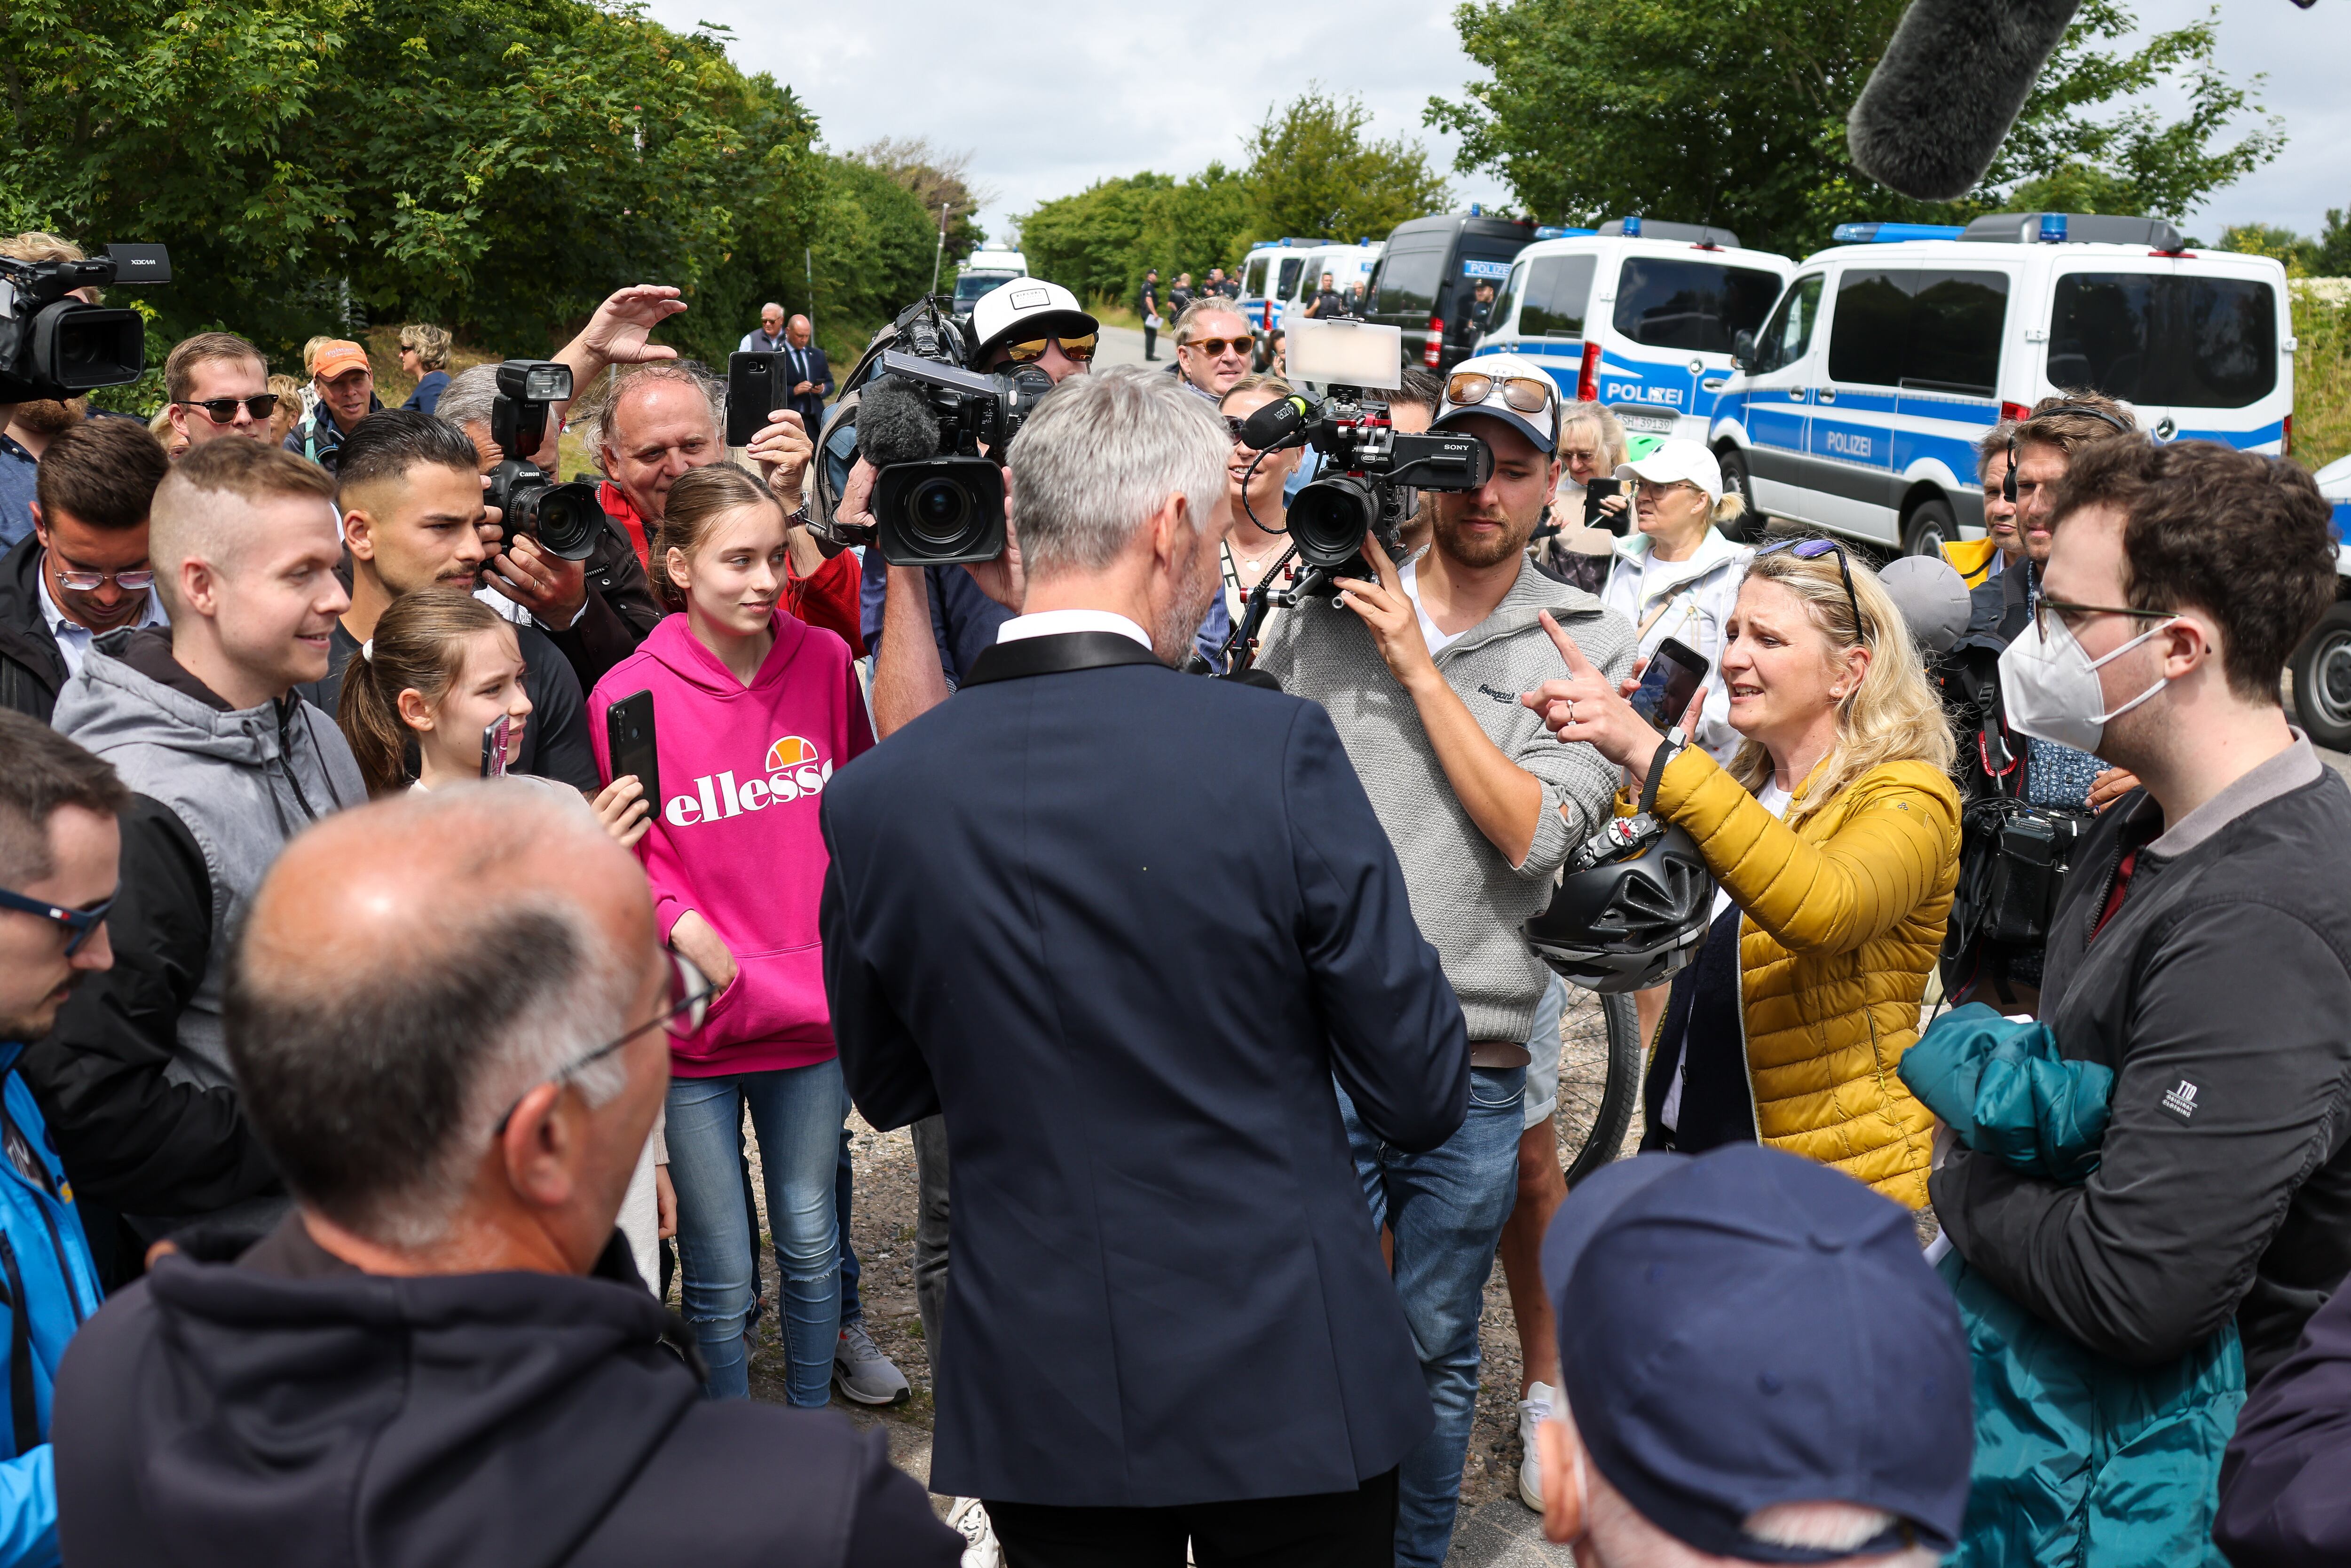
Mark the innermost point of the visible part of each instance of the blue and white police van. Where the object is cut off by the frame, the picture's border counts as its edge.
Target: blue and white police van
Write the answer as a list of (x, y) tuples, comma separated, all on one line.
[(1279, 278), (1857, 406), (1637, 314)]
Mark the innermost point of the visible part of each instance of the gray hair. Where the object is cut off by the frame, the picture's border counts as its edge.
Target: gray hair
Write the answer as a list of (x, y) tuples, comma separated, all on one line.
[(1994, 443), (601, 414), (466, 400), (1101, 456), (379, 1128), (1208, 304)]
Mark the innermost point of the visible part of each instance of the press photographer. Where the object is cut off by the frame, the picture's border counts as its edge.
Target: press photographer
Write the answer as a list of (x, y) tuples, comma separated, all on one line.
[(1482, 809)]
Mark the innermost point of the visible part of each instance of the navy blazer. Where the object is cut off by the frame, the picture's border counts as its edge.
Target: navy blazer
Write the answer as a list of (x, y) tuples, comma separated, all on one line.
[(1125, 926), (809, 405)]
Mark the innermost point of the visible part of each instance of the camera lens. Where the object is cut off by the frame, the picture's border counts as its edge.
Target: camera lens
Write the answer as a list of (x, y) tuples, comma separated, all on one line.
[(568, 520), (1330, 517), (939, 512)]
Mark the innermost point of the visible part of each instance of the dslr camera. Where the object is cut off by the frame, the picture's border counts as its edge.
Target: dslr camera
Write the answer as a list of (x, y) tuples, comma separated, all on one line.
[(564, 519), (922, 418), (55, 346), (1372, 478)]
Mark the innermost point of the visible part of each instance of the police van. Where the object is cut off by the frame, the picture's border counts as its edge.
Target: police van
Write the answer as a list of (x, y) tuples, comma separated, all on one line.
[(1280, 279), (1858, 405), (1637, 315)]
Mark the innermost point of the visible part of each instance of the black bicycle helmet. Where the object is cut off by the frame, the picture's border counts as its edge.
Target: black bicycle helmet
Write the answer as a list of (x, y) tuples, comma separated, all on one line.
[(1634, 907)]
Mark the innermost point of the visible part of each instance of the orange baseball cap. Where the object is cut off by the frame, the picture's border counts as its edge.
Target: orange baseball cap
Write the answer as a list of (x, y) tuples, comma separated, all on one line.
[(335, 357)]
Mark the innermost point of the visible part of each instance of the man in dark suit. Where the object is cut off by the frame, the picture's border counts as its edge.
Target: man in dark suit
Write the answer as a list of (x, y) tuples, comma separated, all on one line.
[(806, 372), (1174, 919)]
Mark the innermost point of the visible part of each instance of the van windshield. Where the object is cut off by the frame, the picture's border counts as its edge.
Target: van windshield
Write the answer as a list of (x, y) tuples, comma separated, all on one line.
[(1409, 279), (1701, 305), (972, 285), (2149, 337), (1557, 287)]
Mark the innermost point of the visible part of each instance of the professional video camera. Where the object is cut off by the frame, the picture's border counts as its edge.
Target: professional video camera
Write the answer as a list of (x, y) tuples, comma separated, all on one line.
[(564, 519), (53, 345), (922, 418)]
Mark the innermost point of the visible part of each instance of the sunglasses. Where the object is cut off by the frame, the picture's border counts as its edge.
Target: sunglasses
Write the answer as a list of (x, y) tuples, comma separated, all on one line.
[(1525, 393), (689, 1003), (77, 923), (1812, 549), (1216, 348), (221, 410), (81, 582), (1079, 348)]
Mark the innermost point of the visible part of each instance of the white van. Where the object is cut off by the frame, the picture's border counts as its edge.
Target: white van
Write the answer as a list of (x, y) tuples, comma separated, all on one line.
[(1640, 316), (984, 270), (1280, 279), (1858, 405), (1350, 266)]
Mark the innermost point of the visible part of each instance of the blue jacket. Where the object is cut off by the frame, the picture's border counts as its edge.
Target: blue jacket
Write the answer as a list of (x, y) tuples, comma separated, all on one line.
[(51, 1290), (2081, 1459)]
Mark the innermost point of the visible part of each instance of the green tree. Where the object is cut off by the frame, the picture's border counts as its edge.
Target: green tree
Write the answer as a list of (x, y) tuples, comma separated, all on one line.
[(2334, 257), (1733, 111), (938, 178), (1097, 242), (2299, 255), (1312, 174)]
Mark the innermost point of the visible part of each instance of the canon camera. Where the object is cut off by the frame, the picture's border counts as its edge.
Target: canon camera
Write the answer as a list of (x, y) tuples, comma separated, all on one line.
[(564, 519)]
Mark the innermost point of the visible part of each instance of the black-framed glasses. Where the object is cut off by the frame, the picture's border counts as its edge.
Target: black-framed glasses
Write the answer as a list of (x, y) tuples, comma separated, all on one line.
[(82, 581), (77, 923), (2065, 609), (221, 410), (689, 1003), (1812, 549)]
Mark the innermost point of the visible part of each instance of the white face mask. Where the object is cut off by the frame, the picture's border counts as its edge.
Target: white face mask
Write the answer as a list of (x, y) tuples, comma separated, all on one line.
[(2049, 685)]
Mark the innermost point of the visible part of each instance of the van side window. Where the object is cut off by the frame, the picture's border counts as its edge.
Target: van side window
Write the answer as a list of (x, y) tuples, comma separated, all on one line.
[(1558, 290), (1408, 279), (1254, 286), (1929, 331), (1789, 337), (1515, 284), (1286, 289), (2190, 342), (1696, 305)]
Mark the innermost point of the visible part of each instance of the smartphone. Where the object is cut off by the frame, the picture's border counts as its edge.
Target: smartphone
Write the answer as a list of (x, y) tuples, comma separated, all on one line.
[(494, 748), (1596, 491), (1674, 675), (628, 734), (756, 387)]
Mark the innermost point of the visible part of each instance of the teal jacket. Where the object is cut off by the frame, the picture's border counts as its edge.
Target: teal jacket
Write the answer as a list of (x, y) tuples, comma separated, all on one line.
[(2081, 1461)]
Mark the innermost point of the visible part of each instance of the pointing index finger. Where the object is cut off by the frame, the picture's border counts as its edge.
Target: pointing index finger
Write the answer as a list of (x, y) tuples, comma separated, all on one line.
[(1577, 664)]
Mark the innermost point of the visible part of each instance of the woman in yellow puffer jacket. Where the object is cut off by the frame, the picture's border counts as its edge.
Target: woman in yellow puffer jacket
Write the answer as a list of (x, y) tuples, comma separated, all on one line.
[(1835, 836)]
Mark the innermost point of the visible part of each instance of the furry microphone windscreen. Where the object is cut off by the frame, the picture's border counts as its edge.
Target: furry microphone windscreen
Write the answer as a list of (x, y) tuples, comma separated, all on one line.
[(896, 422), (1932, 597), (1949, 86)]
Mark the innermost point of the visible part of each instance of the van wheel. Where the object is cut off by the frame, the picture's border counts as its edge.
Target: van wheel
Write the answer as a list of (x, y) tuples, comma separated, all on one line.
[(1735, 479), (1930, 527), (2322, 680)]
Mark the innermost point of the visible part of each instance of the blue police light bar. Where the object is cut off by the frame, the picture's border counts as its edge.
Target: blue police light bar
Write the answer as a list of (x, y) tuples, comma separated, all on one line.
[(1888, 233), (2053, 228), (1552, 231), (1631, 229)]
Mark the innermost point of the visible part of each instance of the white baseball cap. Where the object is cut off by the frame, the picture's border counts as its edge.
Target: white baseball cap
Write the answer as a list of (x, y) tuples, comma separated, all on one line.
[(1539, 425), (1022, 309), (1678, 461)]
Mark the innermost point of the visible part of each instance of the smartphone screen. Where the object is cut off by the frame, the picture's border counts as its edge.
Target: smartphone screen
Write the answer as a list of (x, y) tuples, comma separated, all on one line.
[(755, 389), (494, 748), (1596, 491), (1674, 675), (629, 730)]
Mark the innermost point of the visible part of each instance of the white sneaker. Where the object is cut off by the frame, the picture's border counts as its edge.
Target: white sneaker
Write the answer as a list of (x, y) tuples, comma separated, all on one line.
[(968, 1519), (1533, 1411)]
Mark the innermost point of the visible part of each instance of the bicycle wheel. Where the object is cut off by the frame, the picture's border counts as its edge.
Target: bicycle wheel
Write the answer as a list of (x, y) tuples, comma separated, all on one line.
[(1599, 1080)]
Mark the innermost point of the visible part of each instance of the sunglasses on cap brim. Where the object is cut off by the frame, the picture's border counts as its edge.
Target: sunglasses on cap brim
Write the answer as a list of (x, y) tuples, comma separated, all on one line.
[(1525, 394)]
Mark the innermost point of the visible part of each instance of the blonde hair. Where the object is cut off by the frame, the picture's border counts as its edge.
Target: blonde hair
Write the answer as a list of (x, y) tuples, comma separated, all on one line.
[(1258, 381), (430, 343), (1578, 415), (310, 354), (1892, 715), (1729, 508)]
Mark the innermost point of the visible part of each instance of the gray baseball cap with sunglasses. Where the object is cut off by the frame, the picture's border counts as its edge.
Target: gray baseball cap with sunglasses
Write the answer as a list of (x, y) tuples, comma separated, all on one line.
[(1507, 387)]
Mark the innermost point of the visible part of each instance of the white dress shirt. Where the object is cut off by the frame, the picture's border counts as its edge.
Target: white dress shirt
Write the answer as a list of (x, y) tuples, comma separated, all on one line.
[(1053, 622)]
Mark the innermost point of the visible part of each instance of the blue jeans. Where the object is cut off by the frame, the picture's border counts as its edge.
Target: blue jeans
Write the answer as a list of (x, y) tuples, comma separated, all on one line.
[(796, 1116), (1447, 1208), (851, 1312)]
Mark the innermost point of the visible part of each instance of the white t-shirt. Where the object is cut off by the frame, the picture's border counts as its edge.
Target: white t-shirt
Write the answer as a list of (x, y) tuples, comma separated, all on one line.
[(1438, 640), (1774, 800)]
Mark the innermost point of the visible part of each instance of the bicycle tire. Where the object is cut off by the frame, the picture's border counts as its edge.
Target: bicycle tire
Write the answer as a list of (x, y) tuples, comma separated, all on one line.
[(1599, 1080)]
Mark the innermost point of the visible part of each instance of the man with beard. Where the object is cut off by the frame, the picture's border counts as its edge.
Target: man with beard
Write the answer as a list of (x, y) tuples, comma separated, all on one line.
[(1482, 809), (1131, 1023)]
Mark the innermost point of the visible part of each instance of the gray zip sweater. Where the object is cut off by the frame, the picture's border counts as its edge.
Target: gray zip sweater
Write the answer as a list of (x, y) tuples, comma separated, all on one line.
[(1469, 901)]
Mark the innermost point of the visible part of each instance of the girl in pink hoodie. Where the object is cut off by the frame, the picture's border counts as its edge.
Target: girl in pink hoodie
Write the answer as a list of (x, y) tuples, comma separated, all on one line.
[(753, 710)]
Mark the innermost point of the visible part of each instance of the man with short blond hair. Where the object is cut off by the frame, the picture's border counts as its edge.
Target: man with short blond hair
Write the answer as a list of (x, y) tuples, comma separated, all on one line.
[(219, 386)]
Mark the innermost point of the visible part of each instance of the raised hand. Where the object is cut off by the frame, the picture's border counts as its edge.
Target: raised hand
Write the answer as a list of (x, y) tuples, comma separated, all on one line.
[(617, 333), (1587, 706)]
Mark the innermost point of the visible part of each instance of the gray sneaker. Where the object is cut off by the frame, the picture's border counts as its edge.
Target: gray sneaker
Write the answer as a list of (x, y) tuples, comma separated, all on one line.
[(865, 1373)]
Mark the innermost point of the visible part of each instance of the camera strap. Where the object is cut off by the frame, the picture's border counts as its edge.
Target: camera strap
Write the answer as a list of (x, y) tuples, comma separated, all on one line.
[(1057, 655)]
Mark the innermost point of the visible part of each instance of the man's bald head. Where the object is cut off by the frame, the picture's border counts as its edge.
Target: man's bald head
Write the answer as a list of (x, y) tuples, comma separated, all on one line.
[(204, 509), (411, 968)]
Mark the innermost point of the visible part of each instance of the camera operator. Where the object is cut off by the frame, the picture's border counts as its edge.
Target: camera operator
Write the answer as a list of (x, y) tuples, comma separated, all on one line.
[(1213, 346), (1482, 809), (413, 517), (218, 385), (1025, 321), (27, 428)]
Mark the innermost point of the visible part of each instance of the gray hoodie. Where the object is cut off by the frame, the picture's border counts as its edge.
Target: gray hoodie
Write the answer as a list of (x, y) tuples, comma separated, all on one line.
[(1468, 899), (243, 782)]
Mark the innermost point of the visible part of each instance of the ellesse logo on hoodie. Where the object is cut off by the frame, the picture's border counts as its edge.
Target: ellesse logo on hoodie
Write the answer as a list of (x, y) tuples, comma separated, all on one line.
[(795, 767)]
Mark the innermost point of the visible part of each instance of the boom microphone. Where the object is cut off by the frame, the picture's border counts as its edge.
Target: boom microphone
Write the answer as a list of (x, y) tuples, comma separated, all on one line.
[(1276, 426), (1951, 84), (896, 422)]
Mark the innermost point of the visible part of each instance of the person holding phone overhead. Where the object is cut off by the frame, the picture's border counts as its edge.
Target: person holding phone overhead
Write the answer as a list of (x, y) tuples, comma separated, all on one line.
[(1834, 834), (1675, 574), (752, 711)]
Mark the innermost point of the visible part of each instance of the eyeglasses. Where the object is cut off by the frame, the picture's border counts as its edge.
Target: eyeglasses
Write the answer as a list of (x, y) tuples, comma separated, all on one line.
[(82, 581), (2066, 611), (1216, 348), (1233, 423), (1079, 348), (77, 923), (222, 409), (689, 1003), (1579, 455), (1525, 393), (1812, 549)]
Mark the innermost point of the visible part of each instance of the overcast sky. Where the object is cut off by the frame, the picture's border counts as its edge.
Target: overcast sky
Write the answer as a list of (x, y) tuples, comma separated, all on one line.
[(1121, 86)]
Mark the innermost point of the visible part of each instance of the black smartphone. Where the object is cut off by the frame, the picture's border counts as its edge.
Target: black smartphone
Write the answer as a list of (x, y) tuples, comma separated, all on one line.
[(1674, 675), (494, 747), (756, 388), (1596, 491), (629, 735)]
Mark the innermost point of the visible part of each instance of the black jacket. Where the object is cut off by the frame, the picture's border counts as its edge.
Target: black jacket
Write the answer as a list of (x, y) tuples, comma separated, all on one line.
[(32, 671), (285, 1407), (620, 611), (1174, 920), (2218, 995), (2285, 1484)]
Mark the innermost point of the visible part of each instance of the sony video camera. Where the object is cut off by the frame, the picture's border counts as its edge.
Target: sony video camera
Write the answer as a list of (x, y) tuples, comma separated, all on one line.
[(1372, 478), (53, 345), (564, 519)]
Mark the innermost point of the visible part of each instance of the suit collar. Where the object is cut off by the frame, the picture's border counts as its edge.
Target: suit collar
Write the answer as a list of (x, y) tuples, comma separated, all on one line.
[(1057, 653)]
